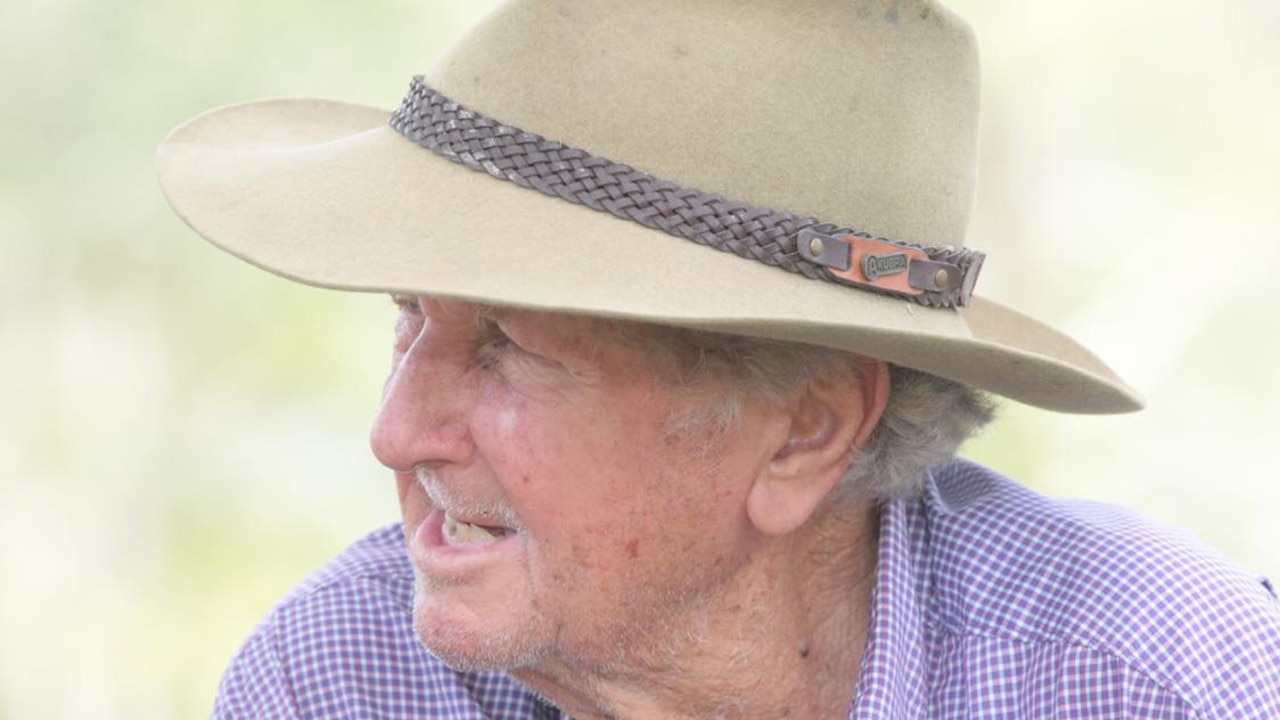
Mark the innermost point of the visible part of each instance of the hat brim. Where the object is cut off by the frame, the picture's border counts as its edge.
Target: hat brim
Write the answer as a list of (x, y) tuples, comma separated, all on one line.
[(327, 194)]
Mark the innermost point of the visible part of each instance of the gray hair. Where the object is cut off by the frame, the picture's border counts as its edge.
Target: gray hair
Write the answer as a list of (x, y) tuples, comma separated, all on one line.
[(925, 420)]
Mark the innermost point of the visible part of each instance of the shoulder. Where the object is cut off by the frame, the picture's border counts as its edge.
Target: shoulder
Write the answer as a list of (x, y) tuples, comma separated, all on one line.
[(342, 644), (1100, 592)]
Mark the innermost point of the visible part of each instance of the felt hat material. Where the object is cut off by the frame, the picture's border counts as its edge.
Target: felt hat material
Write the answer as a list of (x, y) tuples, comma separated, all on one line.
[(858, 112)]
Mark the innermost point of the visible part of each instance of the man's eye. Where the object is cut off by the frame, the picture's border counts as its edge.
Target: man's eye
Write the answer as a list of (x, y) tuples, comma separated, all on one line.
[(406, 304), (409, 321), (493, 346)]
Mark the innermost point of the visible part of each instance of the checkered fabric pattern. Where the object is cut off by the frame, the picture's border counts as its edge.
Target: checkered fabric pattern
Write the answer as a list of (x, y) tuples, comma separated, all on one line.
[(990, 602)]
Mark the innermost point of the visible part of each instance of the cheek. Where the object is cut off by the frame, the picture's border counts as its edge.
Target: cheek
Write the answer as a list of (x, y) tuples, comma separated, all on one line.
[(613, 502), (505, 421), (583, 489), (610, 508)]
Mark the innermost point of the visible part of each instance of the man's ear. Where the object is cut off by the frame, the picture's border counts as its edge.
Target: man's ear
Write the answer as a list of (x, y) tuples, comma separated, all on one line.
[(821, 425)]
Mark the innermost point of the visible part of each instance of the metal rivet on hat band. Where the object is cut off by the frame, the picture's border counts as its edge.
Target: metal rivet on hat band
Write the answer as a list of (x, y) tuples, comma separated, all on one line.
[(932, 276)]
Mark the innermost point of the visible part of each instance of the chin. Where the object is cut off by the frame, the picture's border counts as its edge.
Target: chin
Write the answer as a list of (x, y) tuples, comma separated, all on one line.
[(467, 641)]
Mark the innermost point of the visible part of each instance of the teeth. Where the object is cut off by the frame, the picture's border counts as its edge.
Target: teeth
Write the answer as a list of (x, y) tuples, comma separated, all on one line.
[(461, 533)]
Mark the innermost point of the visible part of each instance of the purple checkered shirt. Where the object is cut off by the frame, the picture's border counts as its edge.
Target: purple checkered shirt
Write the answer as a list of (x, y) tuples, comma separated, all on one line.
[(990, 602)]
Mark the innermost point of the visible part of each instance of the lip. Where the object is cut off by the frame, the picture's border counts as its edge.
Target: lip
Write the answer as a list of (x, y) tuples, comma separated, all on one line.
[(436, 557)]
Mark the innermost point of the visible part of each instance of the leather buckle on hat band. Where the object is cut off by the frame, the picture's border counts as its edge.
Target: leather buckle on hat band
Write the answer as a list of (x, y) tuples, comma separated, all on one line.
[(884, 265)]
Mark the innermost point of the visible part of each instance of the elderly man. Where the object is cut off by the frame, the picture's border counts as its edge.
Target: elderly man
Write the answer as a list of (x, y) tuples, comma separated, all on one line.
[(687, 339)]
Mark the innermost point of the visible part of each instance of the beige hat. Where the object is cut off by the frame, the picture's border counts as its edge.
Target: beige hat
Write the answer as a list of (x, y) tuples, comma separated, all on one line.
[(581, 156)]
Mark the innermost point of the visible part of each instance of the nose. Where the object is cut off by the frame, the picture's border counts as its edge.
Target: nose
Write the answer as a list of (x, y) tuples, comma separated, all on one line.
[(424, 411)]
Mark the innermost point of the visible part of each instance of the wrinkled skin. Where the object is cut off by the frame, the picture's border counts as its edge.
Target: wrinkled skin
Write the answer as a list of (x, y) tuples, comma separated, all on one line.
[(542, 417), (616, 565)]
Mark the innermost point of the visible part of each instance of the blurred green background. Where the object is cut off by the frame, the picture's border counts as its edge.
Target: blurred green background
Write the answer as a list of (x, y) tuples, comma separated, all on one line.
[(183, 437)]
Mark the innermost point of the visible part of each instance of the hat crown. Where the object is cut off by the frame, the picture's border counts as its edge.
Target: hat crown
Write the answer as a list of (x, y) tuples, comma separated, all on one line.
[(857, 112)]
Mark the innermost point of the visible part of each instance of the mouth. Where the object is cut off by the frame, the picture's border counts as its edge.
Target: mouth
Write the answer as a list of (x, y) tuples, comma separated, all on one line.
[(463, 533), (452, 549), (460, 534)]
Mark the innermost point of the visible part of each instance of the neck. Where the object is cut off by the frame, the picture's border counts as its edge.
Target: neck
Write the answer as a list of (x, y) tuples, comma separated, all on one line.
[(783, 639)]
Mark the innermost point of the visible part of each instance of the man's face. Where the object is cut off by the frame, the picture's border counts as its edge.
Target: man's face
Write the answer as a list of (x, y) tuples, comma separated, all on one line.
[(550, 511)]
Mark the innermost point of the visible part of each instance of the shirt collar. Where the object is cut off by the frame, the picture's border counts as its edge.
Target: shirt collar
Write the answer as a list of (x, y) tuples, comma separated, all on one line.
[(893, 680)]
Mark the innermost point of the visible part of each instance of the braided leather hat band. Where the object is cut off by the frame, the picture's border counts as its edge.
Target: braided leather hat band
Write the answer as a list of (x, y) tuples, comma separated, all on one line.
[(930, 276)]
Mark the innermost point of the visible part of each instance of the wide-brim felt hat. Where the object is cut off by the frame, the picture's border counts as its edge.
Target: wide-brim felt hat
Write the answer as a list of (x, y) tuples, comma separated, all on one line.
[(726, 165)]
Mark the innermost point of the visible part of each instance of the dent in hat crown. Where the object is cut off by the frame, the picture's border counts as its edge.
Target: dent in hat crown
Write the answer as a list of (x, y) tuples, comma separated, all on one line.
[(859, 112)]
